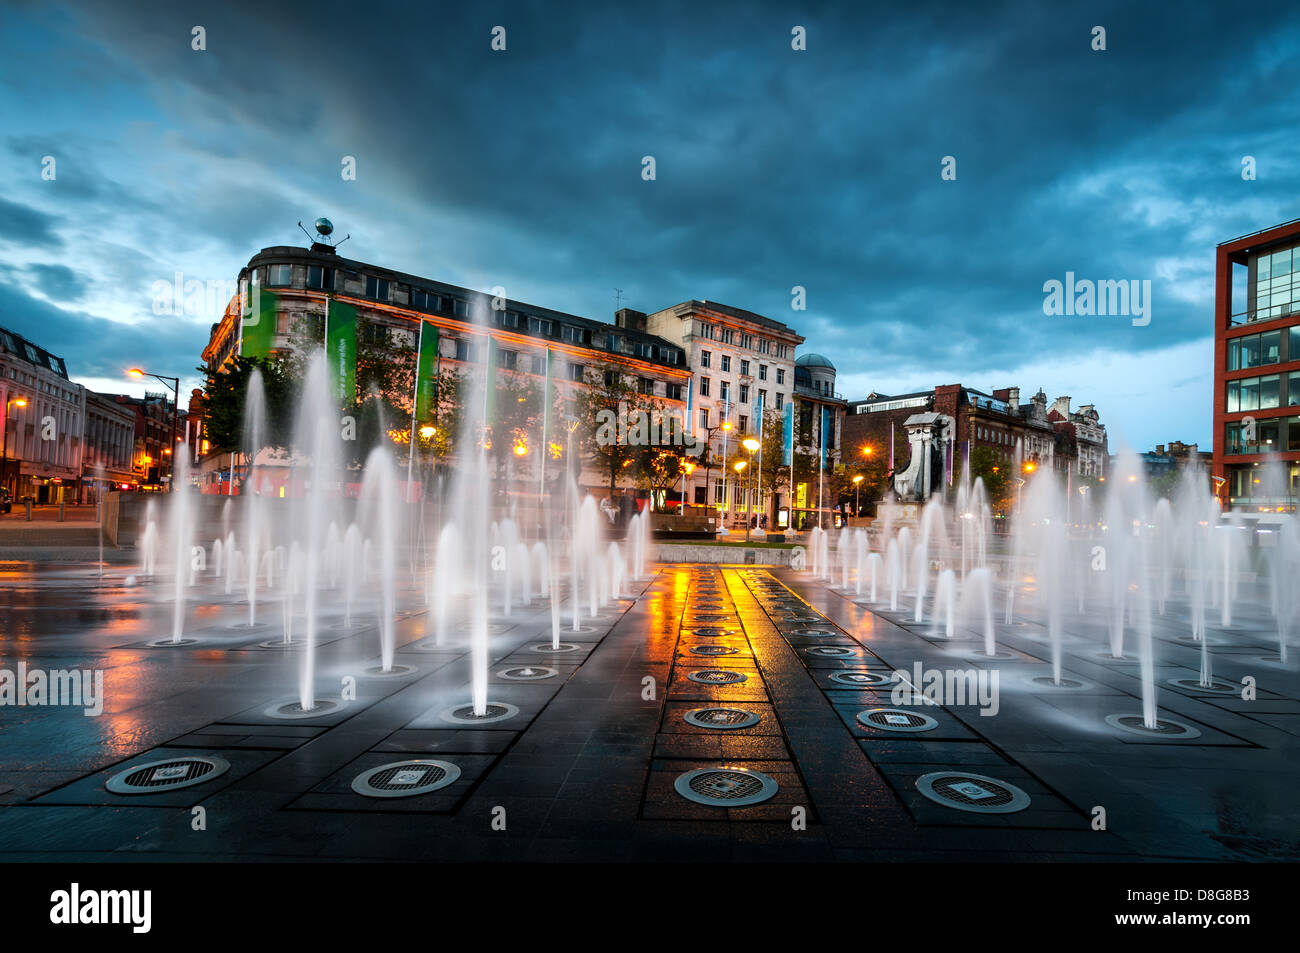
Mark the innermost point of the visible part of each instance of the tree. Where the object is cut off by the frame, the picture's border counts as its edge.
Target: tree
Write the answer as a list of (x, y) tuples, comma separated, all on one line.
[(224, 400), (608, 408), (998, 475)]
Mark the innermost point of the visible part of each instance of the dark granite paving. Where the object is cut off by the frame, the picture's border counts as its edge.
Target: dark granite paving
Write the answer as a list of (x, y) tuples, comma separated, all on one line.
[(586, 765)]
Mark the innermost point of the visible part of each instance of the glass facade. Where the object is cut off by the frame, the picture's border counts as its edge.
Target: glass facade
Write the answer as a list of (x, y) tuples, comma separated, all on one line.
[(1276, 288)]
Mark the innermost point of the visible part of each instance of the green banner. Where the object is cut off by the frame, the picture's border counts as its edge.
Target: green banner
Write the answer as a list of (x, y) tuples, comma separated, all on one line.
[(426, 374), (341, 350), (257, 331)]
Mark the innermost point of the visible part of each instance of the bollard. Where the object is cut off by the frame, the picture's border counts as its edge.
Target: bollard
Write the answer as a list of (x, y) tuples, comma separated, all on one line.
[(60, 511), (28, 503)]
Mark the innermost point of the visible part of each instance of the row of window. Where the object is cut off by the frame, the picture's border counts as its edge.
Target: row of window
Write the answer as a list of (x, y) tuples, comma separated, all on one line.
[(1262, 436), (706, 360), (993, 436), (322, 278), (471, 352), (1268, 347), (705, 388), (44, 386), (1263, 393), (714, 332)]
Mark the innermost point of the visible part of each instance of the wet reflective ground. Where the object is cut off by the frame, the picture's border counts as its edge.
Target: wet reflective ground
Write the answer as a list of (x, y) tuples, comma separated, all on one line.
[(588, 763)]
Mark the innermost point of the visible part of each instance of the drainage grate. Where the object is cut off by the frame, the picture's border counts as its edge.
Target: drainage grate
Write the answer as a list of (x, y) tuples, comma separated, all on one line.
[(725, 786), (709, 606), (974, 793), (1215, 687), (708, 617), (170, 775), (378, 671), (712, 631), (717, 676), (724, 719), (1064, 685), (171, 643), (830, 651), (896, 719), (405, 778), (859, 679), (492, 711), (294, 709), (1164, 727), (546, 647), (812, 633), (714, 650), (528, 673)]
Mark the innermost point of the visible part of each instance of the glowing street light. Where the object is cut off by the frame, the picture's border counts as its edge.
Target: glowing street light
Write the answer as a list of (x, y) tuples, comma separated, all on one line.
[(857, 480), (4, 450), (176, 409)]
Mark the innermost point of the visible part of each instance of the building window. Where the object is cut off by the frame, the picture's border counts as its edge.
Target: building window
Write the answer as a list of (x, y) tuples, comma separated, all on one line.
[(705, 358), (320, 277), (744, 367), (747, 341), (744, 393), (376, 288), (507, 359), (764, 346), (726, 391), (572, 334), (542, 326), (726, 363), (426, 301), (744, 424), (277, 275), (728, 336), (762, 398), (780, 375), (673, 391), (780, 400), (577, 372), (762, 372), (460, 307), (539, 364), (704, 417), (704, 387), (647, 386), (465, 351)]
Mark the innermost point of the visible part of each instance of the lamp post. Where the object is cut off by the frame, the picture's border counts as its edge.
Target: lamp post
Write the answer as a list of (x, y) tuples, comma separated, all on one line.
[(4, 443), (751, 445), (740, 466), (176, 409), (857, 480)]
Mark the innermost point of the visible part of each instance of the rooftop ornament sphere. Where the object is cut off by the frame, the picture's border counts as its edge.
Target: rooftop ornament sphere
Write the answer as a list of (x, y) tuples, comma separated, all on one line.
[(324, 226)]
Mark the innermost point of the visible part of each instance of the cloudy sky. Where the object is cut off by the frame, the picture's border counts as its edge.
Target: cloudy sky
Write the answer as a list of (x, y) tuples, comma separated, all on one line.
[(774, 168)]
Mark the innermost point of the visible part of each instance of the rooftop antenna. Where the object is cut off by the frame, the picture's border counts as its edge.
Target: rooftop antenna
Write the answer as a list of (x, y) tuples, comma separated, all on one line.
[(324, 229), (618, 298)]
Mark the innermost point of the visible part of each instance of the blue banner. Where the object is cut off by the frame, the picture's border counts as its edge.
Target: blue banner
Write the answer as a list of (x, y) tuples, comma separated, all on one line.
[(826, 423), (787, 434)]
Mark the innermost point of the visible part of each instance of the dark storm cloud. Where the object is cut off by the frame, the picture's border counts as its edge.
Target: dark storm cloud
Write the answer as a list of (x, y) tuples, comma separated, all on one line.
[(96, 347), (58, 281), (24, 225), (774, 168)]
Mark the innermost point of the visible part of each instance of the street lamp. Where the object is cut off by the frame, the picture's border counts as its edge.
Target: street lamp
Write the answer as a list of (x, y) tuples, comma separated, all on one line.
[(750, 444), (857, 480), (176, 409), (4, 444), (740, 465)]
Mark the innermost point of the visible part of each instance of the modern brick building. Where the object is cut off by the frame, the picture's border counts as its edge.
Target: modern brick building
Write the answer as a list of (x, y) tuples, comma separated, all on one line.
[(1257, 370)]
